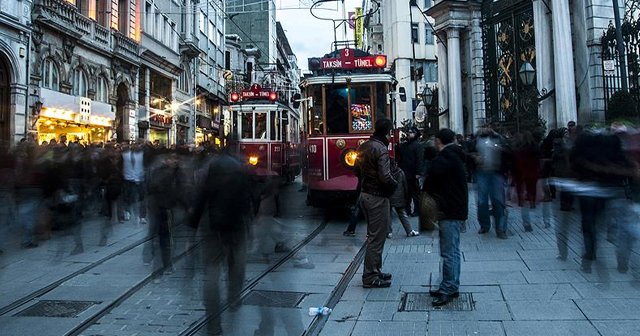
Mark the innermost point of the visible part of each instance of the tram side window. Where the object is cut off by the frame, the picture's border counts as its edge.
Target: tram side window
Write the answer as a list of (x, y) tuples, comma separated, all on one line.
[(261, 125), (315, 117), (275, 125), (337, 113), (360, 109), (381, 103), (247, 125)]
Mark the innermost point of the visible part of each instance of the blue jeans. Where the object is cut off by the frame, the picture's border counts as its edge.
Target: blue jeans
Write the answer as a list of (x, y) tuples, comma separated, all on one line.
[(450, 253), (491, 186)]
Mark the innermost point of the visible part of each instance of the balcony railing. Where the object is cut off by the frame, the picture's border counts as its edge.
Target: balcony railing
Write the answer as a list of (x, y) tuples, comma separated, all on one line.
[(65, 16)]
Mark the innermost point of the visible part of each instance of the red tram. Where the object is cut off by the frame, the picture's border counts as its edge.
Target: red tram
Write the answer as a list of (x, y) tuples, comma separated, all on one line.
[(268, 133), (347, 92)]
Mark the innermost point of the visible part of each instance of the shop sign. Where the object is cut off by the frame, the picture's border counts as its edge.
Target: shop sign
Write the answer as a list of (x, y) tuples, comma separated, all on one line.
[(160, 120), (203, 122)]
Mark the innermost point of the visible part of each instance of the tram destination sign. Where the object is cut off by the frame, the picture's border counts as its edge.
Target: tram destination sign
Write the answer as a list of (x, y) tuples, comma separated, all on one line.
[(348, 60)]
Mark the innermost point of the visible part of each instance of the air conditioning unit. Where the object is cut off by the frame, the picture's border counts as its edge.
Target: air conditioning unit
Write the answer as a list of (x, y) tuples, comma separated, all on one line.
[(84, 106)]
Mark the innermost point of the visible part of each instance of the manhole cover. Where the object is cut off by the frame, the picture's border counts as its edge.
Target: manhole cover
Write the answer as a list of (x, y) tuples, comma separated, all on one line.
[(54, 308), (273, 298), (422, 302)]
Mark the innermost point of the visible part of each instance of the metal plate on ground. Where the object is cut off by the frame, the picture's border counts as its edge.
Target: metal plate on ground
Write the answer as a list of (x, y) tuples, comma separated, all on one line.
[(422, 302), (56, 308), (273, 298)]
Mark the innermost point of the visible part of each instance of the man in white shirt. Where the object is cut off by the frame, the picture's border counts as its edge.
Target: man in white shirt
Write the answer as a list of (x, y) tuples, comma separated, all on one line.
[(133, 172)]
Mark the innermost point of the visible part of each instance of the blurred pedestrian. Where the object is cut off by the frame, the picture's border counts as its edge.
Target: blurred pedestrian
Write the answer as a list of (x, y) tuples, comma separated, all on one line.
[(447, 183), (526, 172), (133, 170), (29, 179), (377, 184), (411, 161), (225, 194), (399, 200)]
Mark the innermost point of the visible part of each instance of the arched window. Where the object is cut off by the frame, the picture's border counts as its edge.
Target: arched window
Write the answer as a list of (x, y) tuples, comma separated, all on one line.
[(102, 90), (50, 77), (183, 80), (79, 83)]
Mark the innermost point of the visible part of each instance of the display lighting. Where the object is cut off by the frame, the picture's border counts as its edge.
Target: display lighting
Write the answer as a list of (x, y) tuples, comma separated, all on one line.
[(235, 97), (273, 96), (253, 160)]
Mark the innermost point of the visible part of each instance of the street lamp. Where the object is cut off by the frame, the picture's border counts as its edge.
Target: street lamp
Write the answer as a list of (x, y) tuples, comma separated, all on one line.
[(427, 96), (527, 73)]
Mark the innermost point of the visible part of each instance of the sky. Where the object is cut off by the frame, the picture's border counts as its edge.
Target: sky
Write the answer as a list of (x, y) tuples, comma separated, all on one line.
[(308, 36)]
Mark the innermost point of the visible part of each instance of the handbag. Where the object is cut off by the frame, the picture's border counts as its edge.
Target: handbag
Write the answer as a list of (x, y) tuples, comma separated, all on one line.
[(428, 212)]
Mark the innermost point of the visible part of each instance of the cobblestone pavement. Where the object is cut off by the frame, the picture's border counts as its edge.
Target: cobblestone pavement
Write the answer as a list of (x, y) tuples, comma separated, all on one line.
[(516, 286)]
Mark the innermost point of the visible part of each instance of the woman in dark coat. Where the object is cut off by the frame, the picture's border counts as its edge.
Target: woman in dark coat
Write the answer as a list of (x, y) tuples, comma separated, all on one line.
[(526, 172)]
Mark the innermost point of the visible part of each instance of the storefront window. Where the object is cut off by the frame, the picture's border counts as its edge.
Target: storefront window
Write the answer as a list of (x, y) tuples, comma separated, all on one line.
[(261, 125), (247, 125), (50, 78)]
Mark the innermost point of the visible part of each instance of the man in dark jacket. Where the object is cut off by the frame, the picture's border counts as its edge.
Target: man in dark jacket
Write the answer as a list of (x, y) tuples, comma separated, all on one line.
[(377, 184), (411, 161), (447, 184)]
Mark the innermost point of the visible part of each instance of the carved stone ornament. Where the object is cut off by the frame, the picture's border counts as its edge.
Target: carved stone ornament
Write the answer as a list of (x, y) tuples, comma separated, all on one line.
[(67, 47), (36, 37)]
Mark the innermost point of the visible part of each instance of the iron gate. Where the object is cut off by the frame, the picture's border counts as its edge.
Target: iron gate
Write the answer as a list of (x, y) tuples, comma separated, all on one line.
[(509, 45), (612, 79)]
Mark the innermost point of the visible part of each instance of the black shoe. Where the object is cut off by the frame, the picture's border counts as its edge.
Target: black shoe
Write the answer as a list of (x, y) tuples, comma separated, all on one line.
[(349, 233), (483, 231), (623, 268), (414, 214), (502, 235), (441, 300), (281, 248), (377, 283), (438, 293), (385, 276), (528, 228)]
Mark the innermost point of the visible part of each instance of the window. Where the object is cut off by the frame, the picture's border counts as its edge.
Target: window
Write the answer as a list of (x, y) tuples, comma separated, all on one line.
[(123, 17), (183, 80), (50, 78), (431, 71), (102, 15), (227, 60), (148, 18), (414, 32), (261, 125), (211, 32), (427, 4), (83, 7), (360, 109), (315, 113), (79, 83), (428, 35), (275, 125), (202, 22), (102, 90), (247, 125)]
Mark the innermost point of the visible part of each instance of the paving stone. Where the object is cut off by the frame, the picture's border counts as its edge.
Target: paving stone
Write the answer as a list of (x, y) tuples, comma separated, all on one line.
[(483, 311), (490, 256), (379, 310), (411, 316), (332, 328), (551, 264), (491, 278), (455, 328), (346, 311), (493, 266), (610, 309), (386, 328), (549, 328), (618, 327), (543, 292), (484, 293), (545, 310), (551, 277), (608, 290)]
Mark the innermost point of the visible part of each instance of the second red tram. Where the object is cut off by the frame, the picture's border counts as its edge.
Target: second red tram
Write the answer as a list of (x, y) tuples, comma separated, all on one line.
[(344, 97), (268, 136)]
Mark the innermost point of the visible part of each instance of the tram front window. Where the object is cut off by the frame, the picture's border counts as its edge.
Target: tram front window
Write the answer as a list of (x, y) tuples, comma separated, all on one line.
[(261, 125), (337, 110), (247, 125)]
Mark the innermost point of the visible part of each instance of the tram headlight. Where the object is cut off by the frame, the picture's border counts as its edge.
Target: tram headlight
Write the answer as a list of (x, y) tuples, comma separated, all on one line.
[(253, 160), (350, 157)]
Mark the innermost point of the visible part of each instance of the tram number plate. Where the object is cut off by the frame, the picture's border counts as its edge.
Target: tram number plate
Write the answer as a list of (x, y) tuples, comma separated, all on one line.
[(313, 149)]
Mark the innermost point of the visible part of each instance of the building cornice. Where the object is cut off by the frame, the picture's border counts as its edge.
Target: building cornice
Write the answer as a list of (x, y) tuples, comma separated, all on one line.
[(453, 13)]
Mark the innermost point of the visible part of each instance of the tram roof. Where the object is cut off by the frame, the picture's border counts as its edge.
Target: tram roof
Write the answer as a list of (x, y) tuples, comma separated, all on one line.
[(342, 79)]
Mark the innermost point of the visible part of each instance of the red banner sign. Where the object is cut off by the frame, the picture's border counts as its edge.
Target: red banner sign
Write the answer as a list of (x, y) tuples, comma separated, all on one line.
[(347, 60), (257, 92)]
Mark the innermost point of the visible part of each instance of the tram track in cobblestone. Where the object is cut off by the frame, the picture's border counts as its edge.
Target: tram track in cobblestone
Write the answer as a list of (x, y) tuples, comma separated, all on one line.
[(201, 323), (50, 287)]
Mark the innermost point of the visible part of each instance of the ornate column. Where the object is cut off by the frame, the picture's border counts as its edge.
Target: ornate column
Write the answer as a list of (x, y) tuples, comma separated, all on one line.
[(455, 80), (563, 67), (544, 61), (443, 83)]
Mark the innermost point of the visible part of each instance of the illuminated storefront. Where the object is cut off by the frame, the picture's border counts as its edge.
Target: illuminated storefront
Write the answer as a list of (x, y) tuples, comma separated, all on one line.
[(81, 127), (159, 126)]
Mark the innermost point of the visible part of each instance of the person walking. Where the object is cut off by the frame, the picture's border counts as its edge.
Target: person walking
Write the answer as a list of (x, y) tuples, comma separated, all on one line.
[(399, 200), (377, 184), (446, 183), (411, 161), (526, 172)]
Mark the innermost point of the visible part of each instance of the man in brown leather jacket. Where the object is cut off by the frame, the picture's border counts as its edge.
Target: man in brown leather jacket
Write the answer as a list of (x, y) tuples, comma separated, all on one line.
[(377, 184)]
